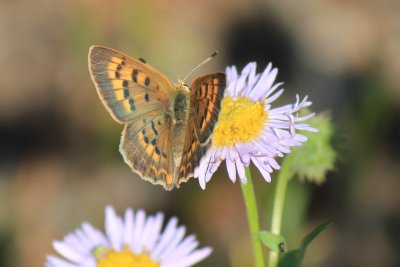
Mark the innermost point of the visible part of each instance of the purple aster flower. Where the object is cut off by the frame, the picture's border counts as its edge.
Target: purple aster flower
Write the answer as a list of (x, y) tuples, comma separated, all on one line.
[(135, 240), (249, 129)]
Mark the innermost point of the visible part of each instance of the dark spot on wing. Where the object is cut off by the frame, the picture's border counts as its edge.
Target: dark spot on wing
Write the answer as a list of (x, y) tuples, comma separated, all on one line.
[(158, 151), (153, 142), (146, 139), (154, 128), (147, 81), (131, 104), (204, 91), (118, 67), (126, 89), (146, 97), (164, 155), (126, 93), (117, 75), (134, 75)]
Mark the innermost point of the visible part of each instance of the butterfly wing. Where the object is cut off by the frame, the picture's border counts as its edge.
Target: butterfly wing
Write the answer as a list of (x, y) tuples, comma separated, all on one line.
[(146, 148), (206, 96), (138, 96), (127, 87)]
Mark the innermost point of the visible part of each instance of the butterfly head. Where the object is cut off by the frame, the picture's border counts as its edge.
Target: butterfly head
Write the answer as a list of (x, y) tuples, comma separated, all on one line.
[(180, 83), (181, 86)]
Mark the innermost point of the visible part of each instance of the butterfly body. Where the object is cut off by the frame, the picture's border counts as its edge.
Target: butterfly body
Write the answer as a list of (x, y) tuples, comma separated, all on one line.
[(181, 105), (167, 126)]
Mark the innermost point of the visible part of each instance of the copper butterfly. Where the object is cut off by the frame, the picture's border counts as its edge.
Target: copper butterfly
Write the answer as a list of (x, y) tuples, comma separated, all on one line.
[(167, 126)]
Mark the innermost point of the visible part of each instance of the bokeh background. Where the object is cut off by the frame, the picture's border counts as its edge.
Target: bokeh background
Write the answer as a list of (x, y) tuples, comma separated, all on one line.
[(59, 159)]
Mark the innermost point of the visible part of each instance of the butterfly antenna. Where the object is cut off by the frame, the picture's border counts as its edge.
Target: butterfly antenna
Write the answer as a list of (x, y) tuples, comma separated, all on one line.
[(201, 64)]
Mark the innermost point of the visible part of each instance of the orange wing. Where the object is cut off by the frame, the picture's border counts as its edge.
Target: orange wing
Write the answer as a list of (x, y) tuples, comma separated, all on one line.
[(206, 96)]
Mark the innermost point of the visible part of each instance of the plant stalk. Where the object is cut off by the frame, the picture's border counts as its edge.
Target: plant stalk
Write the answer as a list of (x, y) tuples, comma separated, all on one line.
[(253, 219)]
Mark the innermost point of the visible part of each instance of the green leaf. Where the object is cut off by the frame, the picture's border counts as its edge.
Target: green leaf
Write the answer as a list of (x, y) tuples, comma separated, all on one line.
[(291, 259), (315, 157), (311, 236), (295, 257), (273, 241)]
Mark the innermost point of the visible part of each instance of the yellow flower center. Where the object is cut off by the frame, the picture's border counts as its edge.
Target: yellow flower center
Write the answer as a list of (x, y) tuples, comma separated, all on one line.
[(124, 258), (240, 120)]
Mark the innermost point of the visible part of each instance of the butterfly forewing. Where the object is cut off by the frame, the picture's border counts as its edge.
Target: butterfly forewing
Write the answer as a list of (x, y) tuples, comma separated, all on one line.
[(206, 96), (127, 87), (146, 148), (205, 102)]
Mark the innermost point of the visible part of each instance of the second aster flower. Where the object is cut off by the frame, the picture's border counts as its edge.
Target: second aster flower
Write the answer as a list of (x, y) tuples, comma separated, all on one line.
[(135, 240), (249, 129)]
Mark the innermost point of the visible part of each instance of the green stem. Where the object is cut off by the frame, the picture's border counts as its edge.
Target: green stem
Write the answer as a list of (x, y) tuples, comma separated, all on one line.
[(252, 217), (279, 201)]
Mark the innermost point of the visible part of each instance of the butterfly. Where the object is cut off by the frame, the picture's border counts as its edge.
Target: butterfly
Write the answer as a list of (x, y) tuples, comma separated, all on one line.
[(167, 126)]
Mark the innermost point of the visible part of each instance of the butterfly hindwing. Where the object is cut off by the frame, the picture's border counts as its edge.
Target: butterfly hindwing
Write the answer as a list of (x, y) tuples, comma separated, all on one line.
[(192, 152), (127, 87), (146, 148), (206, 96)]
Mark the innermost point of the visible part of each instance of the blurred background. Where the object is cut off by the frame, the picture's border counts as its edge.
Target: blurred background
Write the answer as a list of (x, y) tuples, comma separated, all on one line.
[(59, 159)]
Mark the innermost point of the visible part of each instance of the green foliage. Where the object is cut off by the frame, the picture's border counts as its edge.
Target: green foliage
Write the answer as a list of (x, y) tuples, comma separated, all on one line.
[(295, 257), (273, 241), (315, 157)]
